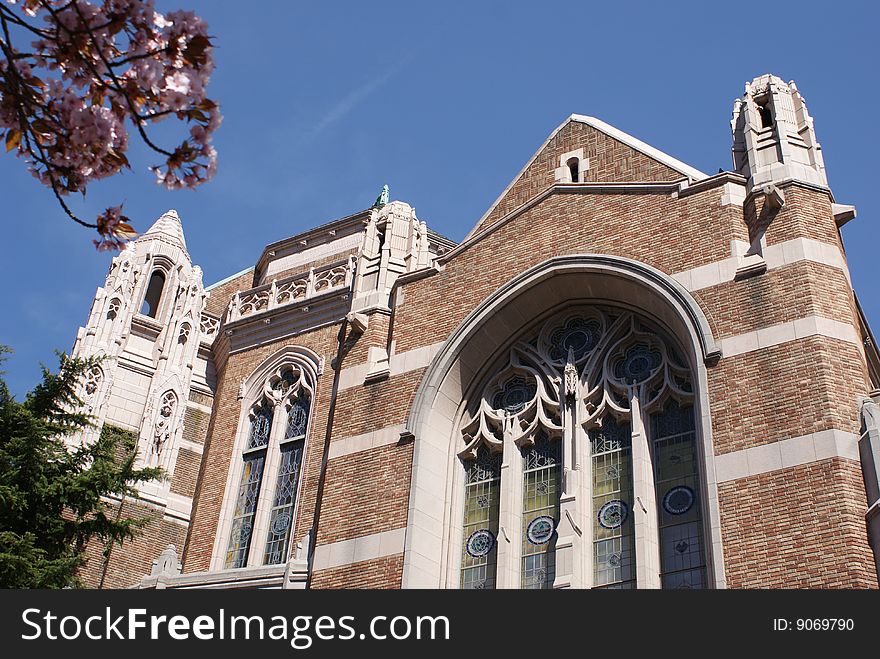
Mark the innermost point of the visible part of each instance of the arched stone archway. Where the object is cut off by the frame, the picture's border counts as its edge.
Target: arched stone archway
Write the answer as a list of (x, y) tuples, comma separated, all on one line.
[(477, 343)]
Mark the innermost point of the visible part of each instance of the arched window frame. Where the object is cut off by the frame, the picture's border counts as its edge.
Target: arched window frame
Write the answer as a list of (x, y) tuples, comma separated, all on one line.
[(270, 385), (157, 307), (598, 396)]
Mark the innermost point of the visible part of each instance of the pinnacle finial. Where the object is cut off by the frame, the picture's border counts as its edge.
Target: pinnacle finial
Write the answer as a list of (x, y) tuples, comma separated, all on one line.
[(382, 199), (168, 224)]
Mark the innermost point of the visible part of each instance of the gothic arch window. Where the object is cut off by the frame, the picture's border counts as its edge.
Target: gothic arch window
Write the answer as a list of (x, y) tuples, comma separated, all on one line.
[(153, 296), (91, 385), (264, 506), (183, 336), (592, 416), (113, 308)]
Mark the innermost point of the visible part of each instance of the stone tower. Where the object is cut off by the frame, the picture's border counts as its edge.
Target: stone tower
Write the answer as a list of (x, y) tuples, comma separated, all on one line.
[(146, 324), (773, 135)]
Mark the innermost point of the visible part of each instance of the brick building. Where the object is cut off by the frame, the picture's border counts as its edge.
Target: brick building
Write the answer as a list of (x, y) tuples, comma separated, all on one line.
[(628, 374)]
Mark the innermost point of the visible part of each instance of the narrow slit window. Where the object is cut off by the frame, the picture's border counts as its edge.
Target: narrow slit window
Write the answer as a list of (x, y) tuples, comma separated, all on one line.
[(574, 169), (766, 115), (150, 307)]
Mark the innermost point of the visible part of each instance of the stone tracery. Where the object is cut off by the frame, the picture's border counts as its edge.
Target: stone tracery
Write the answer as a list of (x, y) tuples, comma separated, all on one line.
[(588, 381)]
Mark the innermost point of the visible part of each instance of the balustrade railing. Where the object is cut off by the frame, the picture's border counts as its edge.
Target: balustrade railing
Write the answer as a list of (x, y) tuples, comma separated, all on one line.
[(290, 290)]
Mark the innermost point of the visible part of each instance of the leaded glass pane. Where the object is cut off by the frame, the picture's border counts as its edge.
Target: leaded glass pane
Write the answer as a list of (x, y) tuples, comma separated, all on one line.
[(682, 551), (261, 425), (541, 485), (481, 503), (284, 503), (245, 507), (613, 530), (297, 418)]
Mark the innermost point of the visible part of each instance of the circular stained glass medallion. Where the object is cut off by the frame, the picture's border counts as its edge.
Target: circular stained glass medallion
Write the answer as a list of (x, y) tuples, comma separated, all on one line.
[(540, 530), (280, 524), (480, 543), (613, 514), (244, 533), (679, 500)]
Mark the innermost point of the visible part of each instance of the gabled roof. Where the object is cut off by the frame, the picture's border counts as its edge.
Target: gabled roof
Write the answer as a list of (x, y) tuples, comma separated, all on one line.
[(624, 138), (658, 155)]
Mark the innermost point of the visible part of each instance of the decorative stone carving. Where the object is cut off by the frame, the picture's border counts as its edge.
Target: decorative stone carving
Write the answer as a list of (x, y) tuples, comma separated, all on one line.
[(163, 429), (602, 356), (167, 563), (317, 281)]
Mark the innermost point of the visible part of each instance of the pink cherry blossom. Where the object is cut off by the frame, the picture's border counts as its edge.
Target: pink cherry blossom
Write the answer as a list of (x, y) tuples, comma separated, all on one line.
[(89, 72)]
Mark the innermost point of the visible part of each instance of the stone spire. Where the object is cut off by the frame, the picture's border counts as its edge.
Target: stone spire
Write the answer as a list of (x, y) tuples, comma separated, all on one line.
[(773, 135), (168, 225)]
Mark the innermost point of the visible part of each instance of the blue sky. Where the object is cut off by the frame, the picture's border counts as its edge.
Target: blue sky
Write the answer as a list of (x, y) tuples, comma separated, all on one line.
[(323, 103)]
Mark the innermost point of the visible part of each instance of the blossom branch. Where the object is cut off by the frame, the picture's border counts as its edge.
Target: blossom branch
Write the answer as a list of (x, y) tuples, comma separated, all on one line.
[(105, 64)]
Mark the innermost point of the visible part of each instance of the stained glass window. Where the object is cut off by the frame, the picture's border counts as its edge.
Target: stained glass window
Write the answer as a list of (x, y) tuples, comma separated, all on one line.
[(580, 335), (613, 531), (297, 418), (682, 554), (481, 503), (587, 368), (540, 512), (261, 426), (249, 487), (515, 394), (245, 507), (281, 517)]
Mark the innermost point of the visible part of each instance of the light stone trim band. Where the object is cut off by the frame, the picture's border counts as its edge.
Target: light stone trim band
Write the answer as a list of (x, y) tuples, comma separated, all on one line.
[(775, 256), (786, 453), (739, 344), (784, 332), (401, 362), (382, 437), (355, 550)]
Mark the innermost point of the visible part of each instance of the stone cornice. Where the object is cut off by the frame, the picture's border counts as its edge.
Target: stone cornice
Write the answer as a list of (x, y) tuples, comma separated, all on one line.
[(281, 322), (322, 231)]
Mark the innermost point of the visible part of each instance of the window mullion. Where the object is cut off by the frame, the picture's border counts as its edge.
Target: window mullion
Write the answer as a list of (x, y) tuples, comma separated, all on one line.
[(267, 495), (583, 572), (509, 522), (644, 505), (569, 543)]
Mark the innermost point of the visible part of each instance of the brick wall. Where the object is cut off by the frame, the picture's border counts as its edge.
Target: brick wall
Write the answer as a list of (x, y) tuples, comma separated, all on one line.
[(610, 162), (219, 297), (133, 559), (385, 572), (195, 425), (802, 527), (186, 472)]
